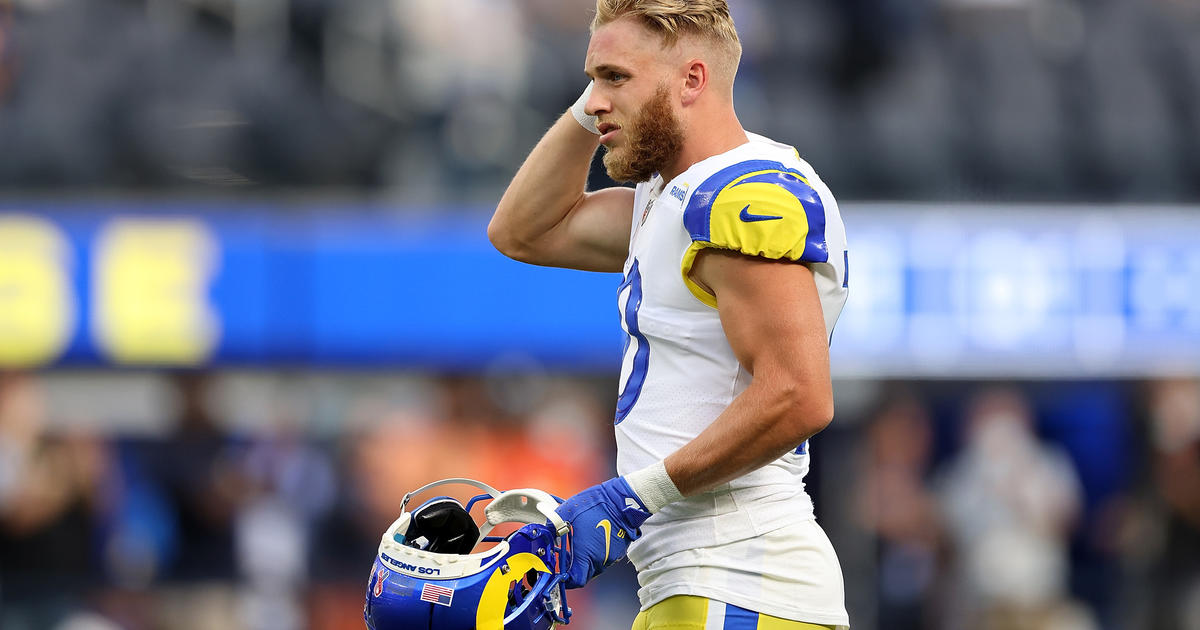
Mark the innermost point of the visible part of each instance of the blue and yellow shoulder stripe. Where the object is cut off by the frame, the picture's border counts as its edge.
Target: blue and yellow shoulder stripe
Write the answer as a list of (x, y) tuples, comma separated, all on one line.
[(759, 208)]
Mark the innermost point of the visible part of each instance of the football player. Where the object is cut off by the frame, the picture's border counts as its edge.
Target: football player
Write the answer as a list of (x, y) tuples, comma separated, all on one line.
[(734, 259)]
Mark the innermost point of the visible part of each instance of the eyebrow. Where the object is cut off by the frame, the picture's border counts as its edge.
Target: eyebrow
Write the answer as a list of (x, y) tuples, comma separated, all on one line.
[(605, 69)]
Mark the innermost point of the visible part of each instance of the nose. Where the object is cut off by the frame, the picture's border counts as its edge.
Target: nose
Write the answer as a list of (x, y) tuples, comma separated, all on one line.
[(597, 103)]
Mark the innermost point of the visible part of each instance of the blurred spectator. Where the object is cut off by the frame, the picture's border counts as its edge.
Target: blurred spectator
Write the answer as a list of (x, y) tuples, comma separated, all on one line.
[(1010, 504), (292, 487), (201, 469), (1174, 577), (49, 497), (898, 509)]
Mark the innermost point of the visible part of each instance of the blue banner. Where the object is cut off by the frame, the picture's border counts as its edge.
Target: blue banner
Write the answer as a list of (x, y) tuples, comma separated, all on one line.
[(187, 285), (942, 291)]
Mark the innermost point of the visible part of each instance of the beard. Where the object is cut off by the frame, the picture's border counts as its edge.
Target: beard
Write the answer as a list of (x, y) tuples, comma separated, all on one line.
[(653, 141)]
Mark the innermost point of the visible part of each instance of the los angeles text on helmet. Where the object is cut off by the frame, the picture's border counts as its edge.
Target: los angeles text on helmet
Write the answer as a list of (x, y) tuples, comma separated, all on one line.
[(410, 569)]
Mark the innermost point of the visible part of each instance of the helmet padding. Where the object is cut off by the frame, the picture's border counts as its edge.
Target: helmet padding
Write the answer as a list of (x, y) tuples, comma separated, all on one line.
[(442, 525)]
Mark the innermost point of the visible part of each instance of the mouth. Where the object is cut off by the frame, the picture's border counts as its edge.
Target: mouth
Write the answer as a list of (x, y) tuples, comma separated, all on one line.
[(607, 131)]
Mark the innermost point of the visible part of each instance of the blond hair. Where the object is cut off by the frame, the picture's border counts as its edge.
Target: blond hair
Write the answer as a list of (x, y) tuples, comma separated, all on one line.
[(675, 18)]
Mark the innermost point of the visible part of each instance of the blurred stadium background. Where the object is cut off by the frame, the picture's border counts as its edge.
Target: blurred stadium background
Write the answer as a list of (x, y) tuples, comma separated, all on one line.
[(246, 300)]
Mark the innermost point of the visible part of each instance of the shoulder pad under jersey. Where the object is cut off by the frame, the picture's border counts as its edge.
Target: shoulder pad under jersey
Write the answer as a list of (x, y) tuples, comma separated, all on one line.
[(759, 208)]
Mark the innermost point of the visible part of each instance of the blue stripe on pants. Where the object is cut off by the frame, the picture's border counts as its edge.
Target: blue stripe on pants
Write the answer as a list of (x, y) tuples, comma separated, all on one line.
[(740, 619)]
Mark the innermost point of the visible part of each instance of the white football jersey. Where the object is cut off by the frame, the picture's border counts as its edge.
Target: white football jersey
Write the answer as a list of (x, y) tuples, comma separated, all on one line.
[(679, 372)]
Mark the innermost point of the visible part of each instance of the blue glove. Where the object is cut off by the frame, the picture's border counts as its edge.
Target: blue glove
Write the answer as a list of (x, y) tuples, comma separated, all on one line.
[(604, 519)]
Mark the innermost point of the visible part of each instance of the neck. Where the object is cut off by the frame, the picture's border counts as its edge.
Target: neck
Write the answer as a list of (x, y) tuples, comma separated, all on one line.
[(722, 132)]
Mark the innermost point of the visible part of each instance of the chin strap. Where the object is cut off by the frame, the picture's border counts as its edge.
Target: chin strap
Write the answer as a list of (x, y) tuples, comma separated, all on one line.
[(527, 505)]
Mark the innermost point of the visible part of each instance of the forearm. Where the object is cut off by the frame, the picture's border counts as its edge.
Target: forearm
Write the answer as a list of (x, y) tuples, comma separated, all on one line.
[(760, 425), (550, 183)]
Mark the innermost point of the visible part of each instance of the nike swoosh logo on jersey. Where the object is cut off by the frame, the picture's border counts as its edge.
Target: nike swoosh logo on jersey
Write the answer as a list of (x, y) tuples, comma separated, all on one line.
[(750, 218), (607, 527)]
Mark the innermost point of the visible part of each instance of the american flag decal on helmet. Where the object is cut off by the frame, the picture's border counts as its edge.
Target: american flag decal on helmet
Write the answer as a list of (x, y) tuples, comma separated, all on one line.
[(436, 594)]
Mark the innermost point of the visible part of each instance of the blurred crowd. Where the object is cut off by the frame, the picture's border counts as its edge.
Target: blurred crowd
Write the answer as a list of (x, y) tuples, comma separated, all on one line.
[(1065, 506), (426, 101), (1052, 507), (203, 526)]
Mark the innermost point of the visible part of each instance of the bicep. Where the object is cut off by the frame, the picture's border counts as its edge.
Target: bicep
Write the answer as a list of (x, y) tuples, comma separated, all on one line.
[(594, 236), (771, 313)]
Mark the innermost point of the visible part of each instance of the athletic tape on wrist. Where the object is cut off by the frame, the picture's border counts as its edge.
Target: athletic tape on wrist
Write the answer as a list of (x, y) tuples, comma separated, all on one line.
[(578, 110), (654, 486)]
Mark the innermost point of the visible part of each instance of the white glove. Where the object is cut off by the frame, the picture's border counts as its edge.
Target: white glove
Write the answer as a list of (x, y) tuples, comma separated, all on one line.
[(577, 110)]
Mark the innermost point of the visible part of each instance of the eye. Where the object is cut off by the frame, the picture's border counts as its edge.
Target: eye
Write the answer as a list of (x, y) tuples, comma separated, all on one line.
[(616, 77)]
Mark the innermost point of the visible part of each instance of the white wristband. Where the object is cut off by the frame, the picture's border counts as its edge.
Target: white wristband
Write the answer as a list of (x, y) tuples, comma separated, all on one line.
[(578, 111), (654, 486)]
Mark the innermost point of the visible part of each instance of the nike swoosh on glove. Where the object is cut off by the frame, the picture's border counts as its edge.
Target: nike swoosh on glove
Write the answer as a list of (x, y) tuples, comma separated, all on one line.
[(604, 520)]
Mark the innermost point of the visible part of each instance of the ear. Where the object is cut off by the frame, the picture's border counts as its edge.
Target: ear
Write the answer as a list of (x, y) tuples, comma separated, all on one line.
[(695, 80)]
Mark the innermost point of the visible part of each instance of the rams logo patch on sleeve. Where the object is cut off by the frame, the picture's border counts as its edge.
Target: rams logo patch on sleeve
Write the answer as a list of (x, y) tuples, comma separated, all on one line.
[(758, 208)]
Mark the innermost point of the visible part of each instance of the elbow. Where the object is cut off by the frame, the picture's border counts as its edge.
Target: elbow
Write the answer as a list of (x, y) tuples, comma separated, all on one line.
[(498, 236), (806, 410), (823, 418), (505, 242)]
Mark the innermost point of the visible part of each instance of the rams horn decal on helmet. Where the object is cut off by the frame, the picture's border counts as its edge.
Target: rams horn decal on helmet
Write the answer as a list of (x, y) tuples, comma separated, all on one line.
[(424, 575)]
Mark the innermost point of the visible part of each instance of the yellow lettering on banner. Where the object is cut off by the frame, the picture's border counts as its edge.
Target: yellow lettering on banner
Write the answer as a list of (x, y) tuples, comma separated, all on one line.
[(37, 304), (150, 290)]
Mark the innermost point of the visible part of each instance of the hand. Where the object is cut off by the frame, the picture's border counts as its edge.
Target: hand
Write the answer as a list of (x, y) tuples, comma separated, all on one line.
[(604, 519)]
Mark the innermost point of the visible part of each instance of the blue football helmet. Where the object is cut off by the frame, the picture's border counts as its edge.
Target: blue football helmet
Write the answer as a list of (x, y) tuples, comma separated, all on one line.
[(425, 575)]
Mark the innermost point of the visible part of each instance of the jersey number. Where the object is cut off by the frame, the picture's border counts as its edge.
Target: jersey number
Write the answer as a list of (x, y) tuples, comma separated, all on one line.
[(641, 358)]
